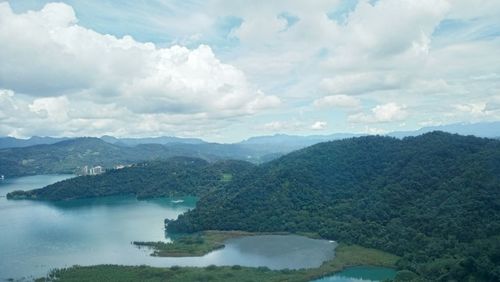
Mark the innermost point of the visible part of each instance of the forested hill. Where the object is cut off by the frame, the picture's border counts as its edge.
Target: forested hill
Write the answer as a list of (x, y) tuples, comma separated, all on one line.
[(432, 199), (67, 156), (178, 176)]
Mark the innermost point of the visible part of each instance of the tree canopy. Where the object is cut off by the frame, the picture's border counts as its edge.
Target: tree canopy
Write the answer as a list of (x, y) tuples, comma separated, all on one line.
[(432, 199)]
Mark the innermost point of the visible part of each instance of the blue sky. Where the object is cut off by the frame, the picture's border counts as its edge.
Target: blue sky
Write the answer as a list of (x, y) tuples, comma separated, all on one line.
[(228, 70)]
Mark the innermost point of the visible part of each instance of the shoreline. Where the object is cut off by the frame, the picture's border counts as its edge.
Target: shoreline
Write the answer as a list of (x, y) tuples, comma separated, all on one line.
[(346, 256), (204, 242)]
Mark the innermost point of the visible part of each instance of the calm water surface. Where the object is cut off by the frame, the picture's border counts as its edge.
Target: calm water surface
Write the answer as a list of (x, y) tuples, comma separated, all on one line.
[(361, 274), (38, 236)]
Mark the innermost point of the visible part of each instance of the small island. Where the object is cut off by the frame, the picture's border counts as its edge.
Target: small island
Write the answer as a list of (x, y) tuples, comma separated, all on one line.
[(189, 245)]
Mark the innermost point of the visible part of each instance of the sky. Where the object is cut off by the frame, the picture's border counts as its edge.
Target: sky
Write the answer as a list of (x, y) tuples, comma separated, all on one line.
[(227, 70)]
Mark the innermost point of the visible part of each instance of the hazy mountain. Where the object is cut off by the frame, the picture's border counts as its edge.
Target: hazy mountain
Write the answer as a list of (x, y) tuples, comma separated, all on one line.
[(152, 140), (11, 142), (482, 129), (283, 143), (277, 143), (286, 143)]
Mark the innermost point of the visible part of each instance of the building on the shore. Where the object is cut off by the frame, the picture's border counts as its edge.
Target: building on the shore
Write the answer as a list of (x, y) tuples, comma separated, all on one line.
[(120, 166), (86, 170), (96, 170)]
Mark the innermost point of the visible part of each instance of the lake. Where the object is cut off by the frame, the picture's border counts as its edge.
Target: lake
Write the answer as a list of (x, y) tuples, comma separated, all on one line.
[(37, 236)]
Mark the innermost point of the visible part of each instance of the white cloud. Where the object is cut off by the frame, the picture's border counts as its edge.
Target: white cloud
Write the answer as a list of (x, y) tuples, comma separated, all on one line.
[(60, 66), (473, 108), (393, 26), (340, 101), (319, 125), (438, 58), (389, 112), (53, 108), (66, 58)]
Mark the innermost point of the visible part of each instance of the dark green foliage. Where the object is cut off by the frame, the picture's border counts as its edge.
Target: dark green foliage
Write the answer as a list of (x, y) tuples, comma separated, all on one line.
[(432, 199), (179, 176)]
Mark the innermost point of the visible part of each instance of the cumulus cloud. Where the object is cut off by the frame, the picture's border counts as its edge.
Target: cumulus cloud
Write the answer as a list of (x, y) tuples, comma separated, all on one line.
[(487, 110), (61, 65), (369, 24), (439, 58), (319, 125), (385, 113), (53, 108)]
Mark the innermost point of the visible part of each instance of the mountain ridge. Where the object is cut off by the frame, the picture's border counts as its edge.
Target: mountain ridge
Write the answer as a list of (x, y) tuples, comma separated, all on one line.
[(481, 129)]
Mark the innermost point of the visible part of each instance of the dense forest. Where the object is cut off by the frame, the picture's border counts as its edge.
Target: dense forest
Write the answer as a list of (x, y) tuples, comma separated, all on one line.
[(432, 199), (177, 176)]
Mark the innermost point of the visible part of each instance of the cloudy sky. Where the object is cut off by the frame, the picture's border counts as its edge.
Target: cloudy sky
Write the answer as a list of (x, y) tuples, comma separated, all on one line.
[(227, 70)]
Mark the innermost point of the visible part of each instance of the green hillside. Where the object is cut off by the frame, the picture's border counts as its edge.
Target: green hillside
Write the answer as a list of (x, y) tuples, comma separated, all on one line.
[(178, 176), (432, 199)]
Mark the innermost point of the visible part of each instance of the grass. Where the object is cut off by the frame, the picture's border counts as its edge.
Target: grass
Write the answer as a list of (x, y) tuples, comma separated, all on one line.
[(153, 274), (226, 177), (202, 243), (352, 255), (346, 256)]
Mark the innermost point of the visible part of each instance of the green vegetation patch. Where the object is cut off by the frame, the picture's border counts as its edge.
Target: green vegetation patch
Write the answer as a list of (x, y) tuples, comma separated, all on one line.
[(226, 177), (197, 244)]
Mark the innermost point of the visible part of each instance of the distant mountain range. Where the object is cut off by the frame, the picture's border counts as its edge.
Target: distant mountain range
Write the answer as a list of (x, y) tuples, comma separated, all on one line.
[(483, 129), (296, 140), (153, 140), (42, 155), (278, 143), (11, 142)]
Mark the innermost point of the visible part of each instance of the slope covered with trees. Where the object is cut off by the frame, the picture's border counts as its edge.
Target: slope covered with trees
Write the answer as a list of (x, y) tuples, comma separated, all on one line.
[(68, 155), (178, 176), (432, 199)]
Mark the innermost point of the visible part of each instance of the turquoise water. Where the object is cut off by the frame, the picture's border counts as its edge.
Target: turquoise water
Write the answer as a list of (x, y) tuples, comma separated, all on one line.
[(361, 274), (37, 236)]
